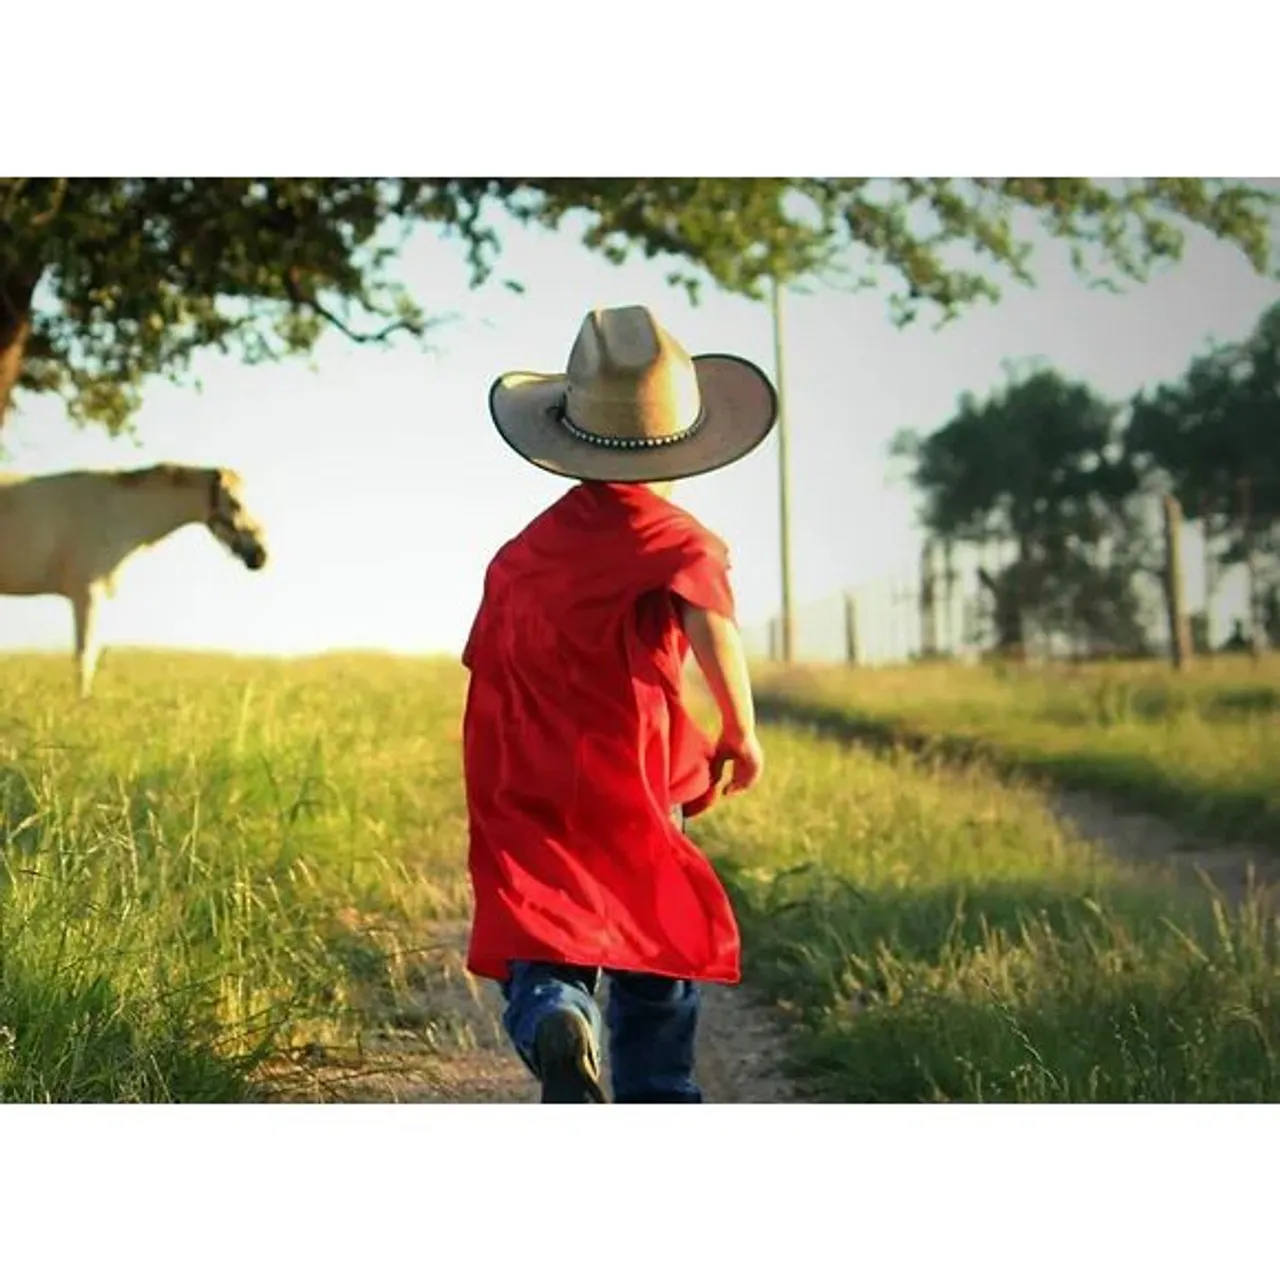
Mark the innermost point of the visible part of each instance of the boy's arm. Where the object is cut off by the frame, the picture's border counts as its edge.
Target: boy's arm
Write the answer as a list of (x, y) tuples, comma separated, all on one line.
[(717, 647)]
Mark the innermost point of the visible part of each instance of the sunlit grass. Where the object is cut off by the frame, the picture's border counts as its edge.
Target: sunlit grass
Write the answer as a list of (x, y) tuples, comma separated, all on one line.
[(216, 860), (1202, 746), (937, 937), (204, 863)]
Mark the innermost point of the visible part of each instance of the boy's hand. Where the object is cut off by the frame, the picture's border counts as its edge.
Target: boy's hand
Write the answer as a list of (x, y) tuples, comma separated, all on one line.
[(747, 757), (717, 645)]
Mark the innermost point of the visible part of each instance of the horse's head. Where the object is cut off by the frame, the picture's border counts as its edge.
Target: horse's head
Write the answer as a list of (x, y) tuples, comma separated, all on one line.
[(231, 523)]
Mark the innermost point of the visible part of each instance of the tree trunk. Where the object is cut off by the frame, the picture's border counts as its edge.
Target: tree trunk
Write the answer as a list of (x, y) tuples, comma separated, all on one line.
[(1006, 611), (16, 291), (928, 602), (1174, 586)]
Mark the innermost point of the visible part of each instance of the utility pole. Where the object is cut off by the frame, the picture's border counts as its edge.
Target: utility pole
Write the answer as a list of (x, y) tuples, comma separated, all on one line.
[(787, 621), (850, 629)]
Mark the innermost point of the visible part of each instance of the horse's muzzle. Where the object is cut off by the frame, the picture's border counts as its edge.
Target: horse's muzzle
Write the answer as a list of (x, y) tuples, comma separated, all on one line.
[(254, 556)]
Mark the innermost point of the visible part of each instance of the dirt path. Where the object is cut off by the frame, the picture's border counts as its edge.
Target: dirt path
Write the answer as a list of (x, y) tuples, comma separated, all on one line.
[(1141, 839), (450, 1046), (459, 1052), (1163, 850)]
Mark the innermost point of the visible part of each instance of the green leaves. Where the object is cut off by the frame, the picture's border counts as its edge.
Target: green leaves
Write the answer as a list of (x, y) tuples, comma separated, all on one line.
[(1039, 466), (1046, 465), (1214, 437), (137, 274), (1036, 454)]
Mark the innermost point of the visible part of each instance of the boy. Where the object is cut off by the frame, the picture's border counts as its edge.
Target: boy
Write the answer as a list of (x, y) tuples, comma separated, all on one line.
[(581, 758)]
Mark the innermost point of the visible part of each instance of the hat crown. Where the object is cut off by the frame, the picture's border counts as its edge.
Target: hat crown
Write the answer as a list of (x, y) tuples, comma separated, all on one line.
[(628, 379)]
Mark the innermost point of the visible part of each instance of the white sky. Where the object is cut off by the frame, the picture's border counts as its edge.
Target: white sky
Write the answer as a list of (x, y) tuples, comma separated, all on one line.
[(385, 489)]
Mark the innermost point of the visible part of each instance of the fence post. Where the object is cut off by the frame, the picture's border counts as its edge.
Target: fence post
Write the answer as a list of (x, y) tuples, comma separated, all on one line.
[(928, 602), (950, 642), (903, 603), (1175, 586), (850, 629)]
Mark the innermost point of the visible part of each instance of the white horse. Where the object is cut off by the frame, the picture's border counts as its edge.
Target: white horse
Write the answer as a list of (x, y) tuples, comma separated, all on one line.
[(69, 534)]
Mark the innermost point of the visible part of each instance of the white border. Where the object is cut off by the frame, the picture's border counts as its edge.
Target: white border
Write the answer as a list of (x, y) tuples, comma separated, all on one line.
[(718, 1192)]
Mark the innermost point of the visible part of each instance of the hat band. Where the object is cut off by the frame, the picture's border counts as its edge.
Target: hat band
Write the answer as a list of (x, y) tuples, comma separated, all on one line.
[(624, 442)]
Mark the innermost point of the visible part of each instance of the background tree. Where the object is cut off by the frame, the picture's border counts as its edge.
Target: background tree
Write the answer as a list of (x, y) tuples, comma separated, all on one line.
[(1213, 437), (106, 282), (1038, 466)]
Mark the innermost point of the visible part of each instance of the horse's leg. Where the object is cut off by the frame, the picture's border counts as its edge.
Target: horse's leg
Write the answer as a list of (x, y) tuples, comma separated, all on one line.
[(84, 605)]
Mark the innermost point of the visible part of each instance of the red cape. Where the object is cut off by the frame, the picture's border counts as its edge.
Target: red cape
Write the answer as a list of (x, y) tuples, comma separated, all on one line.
[(577, 744)]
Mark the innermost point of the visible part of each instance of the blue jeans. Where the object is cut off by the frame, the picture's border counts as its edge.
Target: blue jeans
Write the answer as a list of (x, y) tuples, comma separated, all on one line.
[(652, 1023)]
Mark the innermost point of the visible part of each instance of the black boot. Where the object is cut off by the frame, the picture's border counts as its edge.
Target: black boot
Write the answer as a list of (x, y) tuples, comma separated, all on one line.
[(568, 1064)]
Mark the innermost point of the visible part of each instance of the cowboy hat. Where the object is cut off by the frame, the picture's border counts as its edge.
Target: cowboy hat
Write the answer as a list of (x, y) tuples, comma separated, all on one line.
[(633, 406)]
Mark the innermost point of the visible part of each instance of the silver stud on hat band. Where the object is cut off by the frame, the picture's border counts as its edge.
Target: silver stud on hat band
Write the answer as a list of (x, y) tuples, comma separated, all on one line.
[(623, 442)]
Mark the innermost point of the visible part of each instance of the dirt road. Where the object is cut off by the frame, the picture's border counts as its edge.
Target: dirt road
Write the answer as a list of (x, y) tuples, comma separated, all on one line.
[(453, 1049), (465, 1056)]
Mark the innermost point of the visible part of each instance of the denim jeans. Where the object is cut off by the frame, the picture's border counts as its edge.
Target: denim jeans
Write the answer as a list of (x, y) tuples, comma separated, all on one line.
[(651, 1021)]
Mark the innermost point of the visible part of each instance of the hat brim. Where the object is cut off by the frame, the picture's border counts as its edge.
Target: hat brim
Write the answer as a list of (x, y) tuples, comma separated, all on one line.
[(739, 409)]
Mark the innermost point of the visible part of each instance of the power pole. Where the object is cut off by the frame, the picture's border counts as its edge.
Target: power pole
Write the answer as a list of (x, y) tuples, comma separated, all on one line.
[(787, 621), (850, 629)]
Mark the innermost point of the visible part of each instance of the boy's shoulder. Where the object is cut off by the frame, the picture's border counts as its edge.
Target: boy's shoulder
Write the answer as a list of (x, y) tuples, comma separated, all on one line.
[(611, 521), (668, 517), (695, 532)]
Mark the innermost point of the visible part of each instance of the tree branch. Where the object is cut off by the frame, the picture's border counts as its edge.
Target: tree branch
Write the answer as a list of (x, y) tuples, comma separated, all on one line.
[(15, 186), (55, 203), (299, 298), (16, 292)]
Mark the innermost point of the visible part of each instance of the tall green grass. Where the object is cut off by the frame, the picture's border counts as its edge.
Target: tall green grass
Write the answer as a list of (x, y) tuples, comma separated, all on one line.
[(936, 937), (1202, 747), (210, 861), (216, 862)]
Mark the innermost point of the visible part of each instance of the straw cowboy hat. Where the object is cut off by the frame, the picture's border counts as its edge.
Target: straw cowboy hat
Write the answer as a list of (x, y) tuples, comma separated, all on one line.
[(633, 406)]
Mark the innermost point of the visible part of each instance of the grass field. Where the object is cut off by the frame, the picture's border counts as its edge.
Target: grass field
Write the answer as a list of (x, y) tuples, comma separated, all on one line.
[(219, 859), (1202, 747), (212, 860)]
